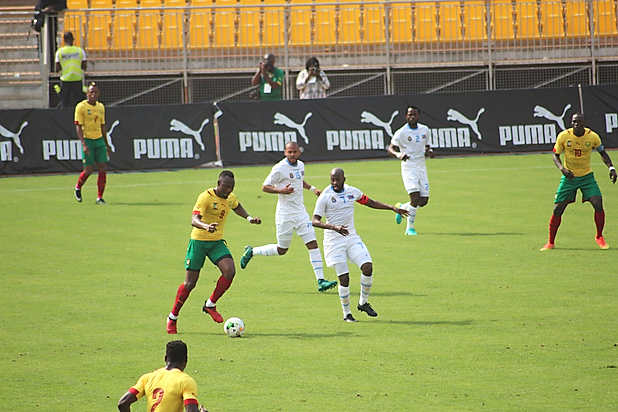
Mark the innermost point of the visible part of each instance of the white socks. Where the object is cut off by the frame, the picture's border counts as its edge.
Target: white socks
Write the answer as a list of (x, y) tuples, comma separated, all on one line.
[(366, 282), (344, 297), (266, 250), (344, 293), (316, 263), (411, 216)]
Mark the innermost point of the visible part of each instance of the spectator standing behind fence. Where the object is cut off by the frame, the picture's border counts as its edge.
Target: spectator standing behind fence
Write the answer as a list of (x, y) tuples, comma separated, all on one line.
[(312, 82), (51, 8), (269, 78), (71, 61)]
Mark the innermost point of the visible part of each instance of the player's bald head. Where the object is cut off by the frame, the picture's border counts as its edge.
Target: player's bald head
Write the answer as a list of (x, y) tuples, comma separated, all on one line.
[(337, 172), (291, 145)]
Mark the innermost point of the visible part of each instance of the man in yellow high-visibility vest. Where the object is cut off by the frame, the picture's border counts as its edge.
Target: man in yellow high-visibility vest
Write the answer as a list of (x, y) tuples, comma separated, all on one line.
[(71, 60)]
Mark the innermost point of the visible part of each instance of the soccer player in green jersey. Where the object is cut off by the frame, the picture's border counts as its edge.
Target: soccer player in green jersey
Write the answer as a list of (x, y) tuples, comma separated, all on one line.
[(577, 144), (209, 215)]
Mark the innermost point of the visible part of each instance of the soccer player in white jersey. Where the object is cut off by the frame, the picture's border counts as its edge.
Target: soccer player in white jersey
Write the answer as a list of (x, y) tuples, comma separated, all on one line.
[(409, 144), (287, 179), (342, 243)]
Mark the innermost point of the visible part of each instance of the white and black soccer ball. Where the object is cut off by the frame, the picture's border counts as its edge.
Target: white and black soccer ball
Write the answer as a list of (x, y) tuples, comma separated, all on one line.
[(234, 327)]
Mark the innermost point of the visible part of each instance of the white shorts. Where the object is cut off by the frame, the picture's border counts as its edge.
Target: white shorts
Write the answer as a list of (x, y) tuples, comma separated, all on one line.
[(350, 248), (287, 225), (416, 181)]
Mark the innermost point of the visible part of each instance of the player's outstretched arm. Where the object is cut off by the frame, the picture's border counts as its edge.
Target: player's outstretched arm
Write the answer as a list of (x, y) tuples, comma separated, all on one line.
[(196, 221), (240, 211), (396, 153), (558, 162), (124, 403), (195, 408), (286, 190), (315, 191), (374, 204), (608, 162), (317, 222), (429, 152)]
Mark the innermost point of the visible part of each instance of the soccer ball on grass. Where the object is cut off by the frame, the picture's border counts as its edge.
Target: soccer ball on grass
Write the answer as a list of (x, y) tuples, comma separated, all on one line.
[(234, 327)]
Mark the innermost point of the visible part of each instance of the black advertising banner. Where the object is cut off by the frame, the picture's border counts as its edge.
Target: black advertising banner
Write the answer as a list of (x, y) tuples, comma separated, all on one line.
[(361, 128), (180, 136), (601, 111), (140, 137)]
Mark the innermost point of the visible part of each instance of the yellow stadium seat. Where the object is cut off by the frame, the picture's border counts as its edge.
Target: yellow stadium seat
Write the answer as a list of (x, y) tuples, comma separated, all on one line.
[(200, 24), (225, 19), (149, 25), (605, 18), (527, 21), (300, 24), (325, 24), (173, 24), (100, 25), (426, 22), (273, 34), (125, 23), (126, 4), (77, 5), (75, 22), (373, 24), (450, 21), (401, 30), (503, 27), (475, 20), (552, 25), (349, 22), (577, 24), (250, 21)]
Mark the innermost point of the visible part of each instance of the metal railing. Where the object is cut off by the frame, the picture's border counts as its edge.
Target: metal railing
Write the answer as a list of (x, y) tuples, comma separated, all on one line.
[(384, 36)]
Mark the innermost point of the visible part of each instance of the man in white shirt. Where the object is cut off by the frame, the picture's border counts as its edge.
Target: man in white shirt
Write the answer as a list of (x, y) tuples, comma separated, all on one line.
[(410, 145), (287, 179), (342, 243)]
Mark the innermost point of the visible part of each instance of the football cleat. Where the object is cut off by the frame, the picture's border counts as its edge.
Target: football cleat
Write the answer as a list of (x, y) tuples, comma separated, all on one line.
[(246, 257), (171, 326), (549, 245), (601, 243), (398, 217), (216, 316), (100, 201), (349, 318), (78, 194), (410, 232), (366, 307), (324, 285)]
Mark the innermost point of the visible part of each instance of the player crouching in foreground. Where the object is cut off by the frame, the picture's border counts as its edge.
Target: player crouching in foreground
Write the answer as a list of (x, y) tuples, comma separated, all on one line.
[(342, 243)]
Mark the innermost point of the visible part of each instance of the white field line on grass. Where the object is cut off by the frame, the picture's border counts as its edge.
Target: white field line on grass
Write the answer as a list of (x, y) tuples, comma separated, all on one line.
[(261, 179)]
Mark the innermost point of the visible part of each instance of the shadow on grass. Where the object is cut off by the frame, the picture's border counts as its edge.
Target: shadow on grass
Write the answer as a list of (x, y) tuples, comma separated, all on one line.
[(298, 336), (474, 234), (398, 293), (148, 204), (429, 322), (334, 292)]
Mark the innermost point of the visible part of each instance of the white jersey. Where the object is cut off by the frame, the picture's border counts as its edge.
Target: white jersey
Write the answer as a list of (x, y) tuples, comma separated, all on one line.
[(412, 142), (338, 209), (282, 174)]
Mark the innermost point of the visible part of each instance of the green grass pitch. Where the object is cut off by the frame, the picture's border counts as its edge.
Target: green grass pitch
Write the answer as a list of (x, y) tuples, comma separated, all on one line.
[(472, 316)]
